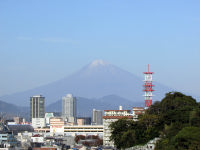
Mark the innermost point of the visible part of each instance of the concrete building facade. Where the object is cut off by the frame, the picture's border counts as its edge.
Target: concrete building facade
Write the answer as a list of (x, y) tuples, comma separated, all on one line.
[(112, 116), (37, 107), (84, 120), (47, 118), (69, 108), (18, 120), (137, 111), (38, 122), (97, 117)]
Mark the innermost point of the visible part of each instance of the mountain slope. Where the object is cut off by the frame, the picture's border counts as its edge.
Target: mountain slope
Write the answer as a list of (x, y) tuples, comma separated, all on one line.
[(11, 108), (92, 81)]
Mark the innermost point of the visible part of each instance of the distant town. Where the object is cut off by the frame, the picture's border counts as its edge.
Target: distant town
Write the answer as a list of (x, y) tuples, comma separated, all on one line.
[(50, 130)]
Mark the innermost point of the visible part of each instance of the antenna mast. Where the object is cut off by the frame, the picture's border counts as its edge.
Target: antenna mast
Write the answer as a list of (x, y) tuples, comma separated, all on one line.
[(148, 88)]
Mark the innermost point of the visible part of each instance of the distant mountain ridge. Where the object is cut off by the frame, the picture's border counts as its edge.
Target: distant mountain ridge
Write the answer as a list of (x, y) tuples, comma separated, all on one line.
[(85, 105), (83, 109), (95, 80), (11, 108)]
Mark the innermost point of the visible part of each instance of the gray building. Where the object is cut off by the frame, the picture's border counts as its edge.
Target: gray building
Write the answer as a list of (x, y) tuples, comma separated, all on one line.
[(97, 117), (37, 107), (69, 108)]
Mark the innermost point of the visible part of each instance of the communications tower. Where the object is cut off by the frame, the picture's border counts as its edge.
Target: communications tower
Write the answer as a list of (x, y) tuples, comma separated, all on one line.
[(148, 88)]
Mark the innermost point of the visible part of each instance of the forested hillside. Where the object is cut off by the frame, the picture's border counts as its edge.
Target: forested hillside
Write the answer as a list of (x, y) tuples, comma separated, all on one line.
[(176, 120)]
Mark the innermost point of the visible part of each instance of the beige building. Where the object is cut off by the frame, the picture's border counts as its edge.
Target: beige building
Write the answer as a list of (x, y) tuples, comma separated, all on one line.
[(80, 122), (57, 121)]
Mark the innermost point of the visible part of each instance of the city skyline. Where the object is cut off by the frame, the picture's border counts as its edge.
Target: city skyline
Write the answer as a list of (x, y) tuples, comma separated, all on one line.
[(39, 47)]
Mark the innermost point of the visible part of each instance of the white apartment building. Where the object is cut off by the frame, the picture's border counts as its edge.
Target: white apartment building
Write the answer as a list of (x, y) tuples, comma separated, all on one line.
[(38, 122), (112, 116)]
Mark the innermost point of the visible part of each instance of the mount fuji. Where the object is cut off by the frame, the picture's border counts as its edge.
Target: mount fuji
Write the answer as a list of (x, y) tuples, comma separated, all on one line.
[(95, 80)]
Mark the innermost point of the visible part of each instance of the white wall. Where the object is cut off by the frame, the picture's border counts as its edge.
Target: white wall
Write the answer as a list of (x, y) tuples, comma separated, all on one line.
[(38, 122)]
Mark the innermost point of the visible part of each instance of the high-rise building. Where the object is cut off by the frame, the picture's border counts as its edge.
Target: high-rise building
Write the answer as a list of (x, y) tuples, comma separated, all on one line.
[(69, 108), (37, 107), (97, 117)]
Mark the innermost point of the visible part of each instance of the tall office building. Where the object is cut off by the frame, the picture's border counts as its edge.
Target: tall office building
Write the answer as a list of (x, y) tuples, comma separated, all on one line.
[(69, 108), (37, 107), (97, 117)]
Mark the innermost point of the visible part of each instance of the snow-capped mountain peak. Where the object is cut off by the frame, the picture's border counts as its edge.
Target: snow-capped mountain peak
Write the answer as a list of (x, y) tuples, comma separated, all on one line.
[(98, 62)]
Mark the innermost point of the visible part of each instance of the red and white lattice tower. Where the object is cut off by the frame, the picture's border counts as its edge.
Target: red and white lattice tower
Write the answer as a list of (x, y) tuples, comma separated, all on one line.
[(148, 88)]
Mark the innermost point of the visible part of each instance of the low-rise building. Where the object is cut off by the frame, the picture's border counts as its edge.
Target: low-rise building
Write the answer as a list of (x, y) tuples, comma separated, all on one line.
[(38, 122), (80, 121), (3, 138), (37, 139), (72, 130), (8, 140), (57, 125), (25, 139), (18, 120), (84, 121), (47, 118), (84, 130)]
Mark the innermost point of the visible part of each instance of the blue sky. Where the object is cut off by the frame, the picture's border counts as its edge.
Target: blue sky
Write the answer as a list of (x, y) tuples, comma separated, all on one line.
[(43, 41)]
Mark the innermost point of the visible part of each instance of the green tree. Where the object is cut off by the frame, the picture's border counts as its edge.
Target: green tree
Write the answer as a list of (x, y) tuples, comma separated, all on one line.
[(150, 127), (171, 119), (154, 109), (120, 133), (128, 139), (188, 138), (195, 117)]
